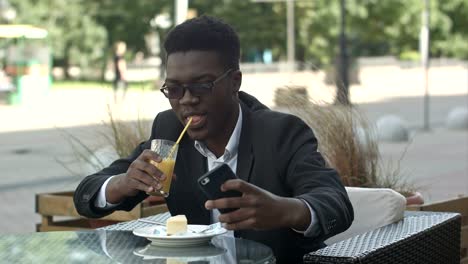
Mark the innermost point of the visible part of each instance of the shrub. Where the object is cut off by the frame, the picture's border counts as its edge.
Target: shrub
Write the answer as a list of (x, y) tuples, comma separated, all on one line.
[(114, 139)]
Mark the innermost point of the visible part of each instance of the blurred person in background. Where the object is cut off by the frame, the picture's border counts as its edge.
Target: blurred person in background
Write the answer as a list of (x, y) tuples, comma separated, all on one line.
[(120, 70)]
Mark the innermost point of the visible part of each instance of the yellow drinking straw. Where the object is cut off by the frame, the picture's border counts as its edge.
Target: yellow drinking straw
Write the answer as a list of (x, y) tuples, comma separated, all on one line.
[(180, 137)]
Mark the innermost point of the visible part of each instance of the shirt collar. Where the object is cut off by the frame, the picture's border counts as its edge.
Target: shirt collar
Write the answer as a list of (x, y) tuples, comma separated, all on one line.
[(232, 145)]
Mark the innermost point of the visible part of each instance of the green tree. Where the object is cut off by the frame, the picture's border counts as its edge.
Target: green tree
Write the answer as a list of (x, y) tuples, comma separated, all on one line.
[(377, 28), (74, 35), (451, 20), (128, 21), (83, 31), (260, 25), (317, 30)]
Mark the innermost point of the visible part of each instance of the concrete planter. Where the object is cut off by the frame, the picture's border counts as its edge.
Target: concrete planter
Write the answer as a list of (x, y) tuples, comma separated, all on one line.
[(291, 96)]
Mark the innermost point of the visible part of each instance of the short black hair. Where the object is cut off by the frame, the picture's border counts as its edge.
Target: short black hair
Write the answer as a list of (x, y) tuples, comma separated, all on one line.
[(205, 33)]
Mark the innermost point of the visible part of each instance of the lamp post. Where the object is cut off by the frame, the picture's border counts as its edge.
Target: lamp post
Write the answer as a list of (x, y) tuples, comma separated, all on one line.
[(342, 94), (424, 50), (181, 10), (160, 23)]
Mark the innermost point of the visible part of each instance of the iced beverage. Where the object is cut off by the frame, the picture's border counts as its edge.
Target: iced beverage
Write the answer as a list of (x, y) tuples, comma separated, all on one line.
[(168, 153), (167, 167)]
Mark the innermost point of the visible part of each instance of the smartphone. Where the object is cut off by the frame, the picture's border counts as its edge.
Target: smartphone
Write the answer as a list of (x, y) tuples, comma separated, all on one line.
[(210, 184)]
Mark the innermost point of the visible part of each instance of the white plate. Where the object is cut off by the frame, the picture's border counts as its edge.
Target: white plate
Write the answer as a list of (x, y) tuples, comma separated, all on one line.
[(158, 236), (195, 253)]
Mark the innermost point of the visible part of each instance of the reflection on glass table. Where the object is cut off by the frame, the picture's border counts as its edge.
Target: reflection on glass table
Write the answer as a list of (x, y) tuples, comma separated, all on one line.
[(196, 253), (103, 246)]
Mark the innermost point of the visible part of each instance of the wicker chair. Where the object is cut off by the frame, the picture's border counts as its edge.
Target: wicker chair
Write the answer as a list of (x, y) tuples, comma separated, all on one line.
[(420, 237)]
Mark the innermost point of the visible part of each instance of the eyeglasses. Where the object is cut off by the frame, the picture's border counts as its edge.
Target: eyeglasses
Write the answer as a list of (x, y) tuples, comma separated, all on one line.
[(177, 91)]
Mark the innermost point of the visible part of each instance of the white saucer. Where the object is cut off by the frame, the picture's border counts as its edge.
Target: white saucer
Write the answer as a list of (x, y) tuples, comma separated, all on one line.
[(158, 236)]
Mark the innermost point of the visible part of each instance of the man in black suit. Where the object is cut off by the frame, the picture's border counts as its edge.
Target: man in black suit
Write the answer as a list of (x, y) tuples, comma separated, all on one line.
[(291, 201)]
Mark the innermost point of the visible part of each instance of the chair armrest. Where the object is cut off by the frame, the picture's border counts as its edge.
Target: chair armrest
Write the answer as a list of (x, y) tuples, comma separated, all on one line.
[(420, 237)]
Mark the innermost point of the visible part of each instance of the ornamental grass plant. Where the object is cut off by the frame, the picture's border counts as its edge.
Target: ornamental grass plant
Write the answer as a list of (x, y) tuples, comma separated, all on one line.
[(348, 142)]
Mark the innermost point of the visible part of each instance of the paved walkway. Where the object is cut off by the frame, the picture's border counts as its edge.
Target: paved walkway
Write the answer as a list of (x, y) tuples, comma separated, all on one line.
[(33, 144)]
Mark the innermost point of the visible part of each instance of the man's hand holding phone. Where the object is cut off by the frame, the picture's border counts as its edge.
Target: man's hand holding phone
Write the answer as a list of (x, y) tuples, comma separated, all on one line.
[(258, 209), (211, 182)]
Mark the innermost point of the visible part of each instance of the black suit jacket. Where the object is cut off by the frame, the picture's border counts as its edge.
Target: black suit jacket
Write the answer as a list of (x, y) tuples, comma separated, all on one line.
[(277, 152)]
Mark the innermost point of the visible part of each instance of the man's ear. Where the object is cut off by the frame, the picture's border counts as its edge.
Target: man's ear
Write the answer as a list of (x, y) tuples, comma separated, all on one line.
[(236, 80)]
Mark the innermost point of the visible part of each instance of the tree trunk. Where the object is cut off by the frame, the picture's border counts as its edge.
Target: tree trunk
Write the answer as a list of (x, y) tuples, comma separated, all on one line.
[(66, 61), (162, 55), (104, 60)]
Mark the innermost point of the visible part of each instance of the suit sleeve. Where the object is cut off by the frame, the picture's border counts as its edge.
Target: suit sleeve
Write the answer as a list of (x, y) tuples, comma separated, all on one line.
[(312, 181), (88, 189)]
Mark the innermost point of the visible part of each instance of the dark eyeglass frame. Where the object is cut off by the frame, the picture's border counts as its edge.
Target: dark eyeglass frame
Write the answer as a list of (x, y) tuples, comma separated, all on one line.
[(196, 89)]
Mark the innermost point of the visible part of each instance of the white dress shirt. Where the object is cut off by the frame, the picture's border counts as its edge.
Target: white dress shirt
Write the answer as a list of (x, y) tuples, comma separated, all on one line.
[(230, 158)]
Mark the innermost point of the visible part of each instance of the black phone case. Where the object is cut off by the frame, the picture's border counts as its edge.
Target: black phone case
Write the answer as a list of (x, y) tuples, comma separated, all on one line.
[(212, 188)]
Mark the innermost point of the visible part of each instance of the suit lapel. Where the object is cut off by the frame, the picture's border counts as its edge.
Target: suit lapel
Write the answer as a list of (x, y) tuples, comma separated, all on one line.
[(245, 152)]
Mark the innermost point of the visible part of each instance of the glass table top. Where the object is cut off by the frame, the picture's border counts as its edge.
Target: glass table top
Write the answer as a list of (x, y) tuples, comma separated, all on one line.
[(104, 246)]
